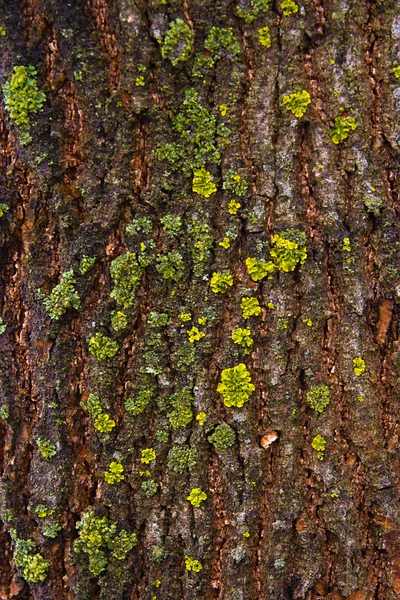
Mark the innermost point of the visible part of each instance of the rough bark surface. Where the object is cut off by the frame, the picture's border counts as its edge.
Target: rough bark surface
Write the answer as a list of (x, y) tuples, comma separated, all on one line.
[(280, 520)]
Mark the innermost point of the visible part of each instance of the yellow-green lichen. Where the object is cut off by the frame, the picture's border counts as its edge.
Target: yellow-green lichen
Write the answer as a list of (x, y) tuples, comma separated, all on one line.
[(318, 398), (22, 96), (223, 437), (243, 338), (319, 444), (297, 102), (202, 183), (264, 37), (148, 455), (102, 347), (221, 282), (62, 297), (177, 45), (196, 497), (359, 366), (250, 307), (192, 564), (115, 473), (235, 386), (340, 131)]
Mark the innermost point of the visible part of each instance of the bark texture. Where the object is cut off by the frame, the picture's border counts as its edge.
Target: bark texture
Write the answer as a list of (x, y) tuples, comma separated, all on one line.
[(281, 520)]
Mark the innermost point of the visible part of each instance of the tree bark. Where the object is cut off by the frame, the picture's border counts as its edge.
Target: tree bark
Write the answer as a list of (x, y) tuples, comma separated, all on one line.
[(127, 123)]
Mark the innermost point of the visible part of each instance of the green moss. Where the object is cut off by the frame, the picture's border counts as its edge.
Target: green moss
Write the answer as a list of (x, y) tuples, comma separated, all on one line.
[(135, 406), (202, 243), (289, 250), (102, 347), (342, 128), (62, 297), (250, 307), (119, 320), (182, 458), (258, 269), (264, 37), (243, 338), (171, 266), (51, 530), (318, 398), (223, 437), (200, 133), (148, 455), (178, 42), (297, 102), (221, 43), (104, 423), (195, 335), (126, 274), (162, 436), (140, 225), (92, 405), (235, 386), (289, 7), (234, 183), (319, 444), (34, 566), (156, 320), (22, 96), (3, 209), (86, 264), (171, 225), (202, 183), (358, 366), (196, 497), (192, 564), (3, 326), (221, 282), (182, 413), (46, 448), (115, 473), (257, 7), (149, 487), (96, 536)]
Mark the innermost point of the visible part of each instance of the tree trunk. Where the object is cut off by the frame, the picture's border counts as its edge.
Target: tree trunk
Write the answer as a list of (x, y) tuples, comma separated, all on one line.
[(185, 157)]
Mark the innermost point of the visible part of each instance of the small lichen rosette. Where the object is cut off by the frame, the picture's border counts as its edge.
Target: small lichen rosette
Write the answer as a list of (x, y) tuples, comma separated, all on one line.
[(235, 386)]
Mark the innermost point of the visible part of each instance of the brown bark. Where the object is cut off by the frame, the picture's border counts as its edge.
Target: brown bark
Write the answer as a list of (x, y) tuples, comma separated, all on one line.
[(313, 528)]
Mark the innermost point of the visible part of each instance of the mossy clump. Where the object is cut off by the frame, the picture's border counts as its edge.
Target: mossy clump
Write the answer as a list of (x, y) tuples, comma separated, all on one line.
[(96, 535), (22, 96), (171, 266), (34, 566), (62, 297), (135, 406), (297, 102), (250, 307), (119, 320), (102, 347), (235, 386), (171, 225), (318, 398), (243, 338), (182, 413), (178, 42), (126, 274), (257, 7), (182, 458), (3, 209), (235, 184), (46, 448), (340, 131), (87, 262), (223, 437), (221, 282), (221, 43)]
